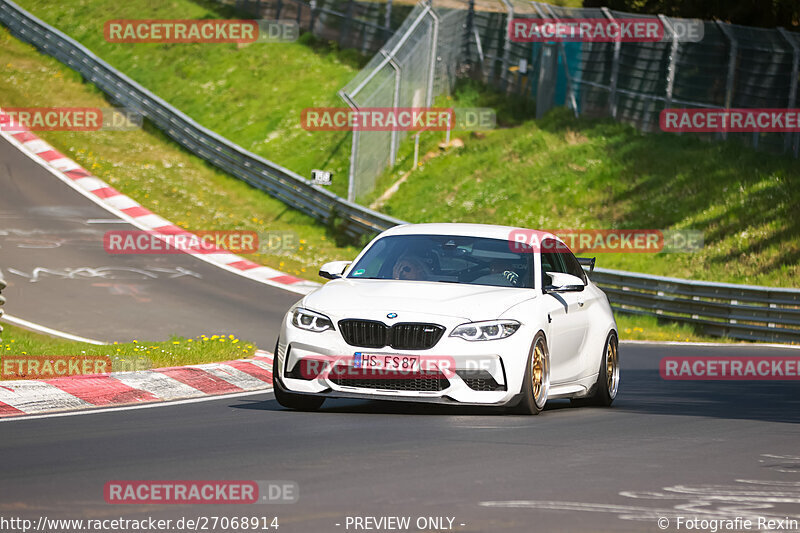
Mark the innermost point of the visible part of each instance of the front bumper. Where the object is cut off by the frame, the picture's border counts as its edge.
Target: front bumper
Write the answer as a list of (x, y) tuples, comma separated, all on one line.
[(500, 362)]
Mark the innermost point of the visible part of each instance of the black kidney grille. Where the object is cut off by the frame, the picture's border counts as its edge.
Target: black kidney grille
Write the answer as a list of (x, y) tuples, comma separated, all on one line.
[(415, 336), (366, 333), (403, 336)]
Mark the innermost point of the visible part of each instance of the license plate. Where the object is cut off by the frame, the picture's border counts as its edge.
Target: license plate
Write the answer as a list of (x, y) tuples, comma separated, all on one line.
[(368, 361)]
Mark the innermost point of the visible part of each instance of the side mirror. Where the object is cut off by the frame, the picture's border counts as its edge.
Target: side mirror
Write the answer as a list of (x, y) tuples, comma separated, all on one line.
[(561, 282), (334, 269)]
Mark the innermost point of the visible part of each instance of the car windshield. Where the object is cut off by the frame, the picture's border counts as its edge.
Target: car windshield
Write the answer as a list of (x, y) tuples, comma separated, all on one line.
[(447, 259)]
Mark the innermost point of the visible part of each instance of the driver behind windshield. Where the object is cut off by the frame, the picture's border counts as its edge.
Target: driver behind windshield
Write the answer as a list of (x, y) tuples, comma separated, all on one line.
[(411, 265)]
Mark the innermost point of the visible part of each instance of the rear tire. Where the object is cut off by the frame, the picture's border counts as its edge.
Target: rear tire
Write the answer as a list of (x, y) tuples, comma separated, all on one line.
[(605, 390), (537, 378), (290, 400)]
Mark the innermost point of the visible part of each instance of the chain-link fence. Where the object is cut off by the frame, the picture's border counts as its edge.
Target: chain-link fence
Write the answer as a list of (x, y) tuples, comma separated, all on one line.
[(417, 64), (731, 67)]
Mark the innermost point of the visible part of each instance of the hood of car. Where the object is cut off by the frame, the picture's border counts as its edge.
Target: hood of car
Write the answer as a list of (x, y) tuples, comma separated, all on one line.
[(349, 297)]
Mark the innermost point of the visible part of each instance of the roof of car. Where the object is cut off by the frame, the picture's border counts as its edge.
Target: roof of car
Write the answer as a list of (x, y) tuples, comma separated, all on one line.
[(472, 230)]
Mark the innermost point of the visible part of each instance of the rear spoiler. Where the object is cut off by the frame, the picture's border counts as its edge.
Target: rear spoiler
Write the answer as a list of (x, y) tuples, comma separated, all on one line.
[(587, 261)]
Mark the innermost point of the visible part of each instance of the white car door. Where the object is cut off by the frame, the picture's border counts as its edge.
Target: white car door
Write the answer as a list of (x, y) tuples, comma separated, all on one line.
[(568, 317)]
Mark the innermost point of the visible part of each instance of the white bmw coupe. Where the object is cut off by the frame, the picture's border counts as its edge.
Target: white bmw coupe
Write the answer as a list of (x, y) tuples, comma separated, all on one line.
[(451, 313)]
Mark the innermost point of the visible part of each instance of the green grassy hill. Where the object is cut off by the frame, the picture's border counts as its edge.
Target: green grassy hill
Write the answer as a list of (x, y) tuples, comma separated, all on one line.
[(555, 173)]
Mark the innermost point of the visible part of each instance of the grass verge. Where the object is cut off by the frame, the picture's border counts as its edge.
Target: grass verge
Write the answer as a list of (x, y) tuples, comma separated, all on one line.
[(136, 355)]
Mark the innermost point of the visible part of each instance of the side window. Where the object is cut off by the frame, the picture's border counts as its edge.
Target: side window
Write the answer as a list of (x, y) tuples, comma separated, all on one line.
[(551, 260), (573, 267)]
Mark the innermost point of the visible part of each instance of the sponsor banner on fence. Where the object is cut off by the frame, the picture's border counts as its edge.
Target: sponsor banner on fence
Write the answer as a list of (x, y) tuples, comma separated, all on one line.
[(730, 120), (730, 368), (213, 31), (69, 119), (607, 241)]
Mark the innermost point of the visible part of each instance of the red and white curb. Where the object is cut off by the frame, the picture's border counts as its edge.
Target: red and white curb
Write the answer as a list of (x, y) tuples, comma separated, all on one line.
[(129, 210), (33, 397)]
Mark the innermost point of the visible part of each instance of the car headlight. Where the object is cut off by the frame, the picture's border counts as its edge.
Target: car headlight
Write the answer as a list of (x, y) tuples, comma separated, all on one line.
[(488, 330), (311, 321)]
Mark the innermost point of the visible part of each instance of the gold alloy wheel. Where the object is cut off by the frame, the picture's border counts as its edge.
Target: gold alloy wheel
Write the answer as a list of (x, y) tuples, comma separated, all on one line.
[(612, 368), (538, 372)]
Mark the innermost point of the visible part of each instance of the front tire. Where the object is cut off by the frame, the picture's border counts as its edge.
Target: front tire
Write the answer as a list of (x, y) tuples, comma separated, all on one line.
[(297, 402), (537, 378)]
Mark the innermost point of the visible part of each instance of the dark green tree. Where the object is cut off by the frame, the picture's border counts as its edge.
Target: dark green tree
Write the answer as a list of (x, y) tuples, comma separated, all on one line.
[(763, 13)]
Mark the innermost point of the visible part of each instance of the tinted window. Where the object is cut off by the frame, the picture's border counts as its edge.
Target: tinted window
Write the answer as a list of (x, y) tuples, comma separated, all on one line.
[(447, 259), (551, 260), (573, 267)]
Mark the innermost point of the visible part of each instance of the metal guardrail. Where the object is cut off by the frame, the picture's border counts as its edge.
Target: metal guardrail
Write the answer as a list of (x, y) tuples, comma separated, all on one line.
[(353, 220), (745, 312), (737, 311)]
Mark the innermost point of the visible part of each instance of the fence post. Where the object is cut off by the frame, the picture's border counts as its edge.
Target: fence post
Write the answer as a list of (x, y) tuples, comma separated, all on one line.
[(734, 51), (434, 51), (470, 25), (612, 97), (506, 45), (348, 16), (351, 183), (387, 21), (791, 102), (394, 142), (351, 176), (312, 5), (672, 67)]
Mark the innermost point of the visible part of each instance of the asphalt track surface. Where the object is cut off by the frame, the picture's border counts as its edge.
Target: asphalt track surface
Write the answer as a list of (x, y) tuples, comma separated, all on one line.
[(59, 274), (665, 449)]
